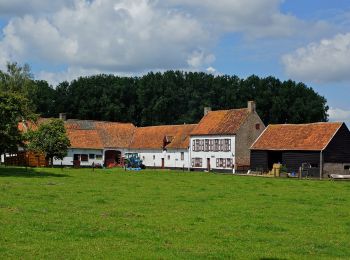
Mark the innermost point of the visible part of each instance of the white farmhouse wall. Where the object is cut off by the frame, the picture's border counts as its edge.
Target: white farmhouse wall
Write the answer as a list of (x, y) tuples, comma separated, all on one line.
[(68, 160), (212, 155), (172, 157)]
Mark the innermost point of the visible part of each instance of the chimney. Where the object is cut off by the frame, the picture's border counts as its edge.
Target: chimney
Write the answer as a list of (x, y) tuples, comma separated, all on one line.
[(251, 106), (62, 116), (207, 110)]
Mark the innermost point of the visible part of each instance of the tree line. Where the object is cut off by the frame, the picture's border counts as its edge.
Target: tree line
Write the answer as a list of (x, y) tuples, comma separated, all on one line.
[(177, 97)]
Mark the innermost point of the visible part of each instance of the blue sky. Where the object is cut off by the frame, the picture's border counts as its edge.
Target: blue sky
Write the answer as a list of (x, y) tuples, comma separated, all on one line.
[(306, 41)]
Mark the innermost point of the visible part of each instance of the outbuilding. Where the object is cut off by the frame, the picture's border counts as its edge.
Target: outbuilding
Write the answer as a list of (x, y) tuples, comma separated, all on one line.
[(324, 146)]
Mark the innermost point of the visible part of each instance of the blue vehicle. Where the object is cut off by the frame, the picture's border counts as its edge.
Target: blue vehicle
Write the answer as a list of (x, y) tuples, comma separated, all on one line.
[(133, 162)]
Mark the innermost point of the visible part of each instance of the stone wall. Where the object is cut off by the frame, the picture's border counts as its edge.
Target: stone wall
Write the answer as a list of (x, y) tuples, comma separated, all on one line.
[(246, 136), (335, 168)]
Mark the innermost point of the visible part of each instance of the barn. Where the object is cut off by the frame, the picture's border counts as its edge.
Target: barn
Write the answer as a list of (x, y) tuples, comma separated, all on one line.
[(324, 147)]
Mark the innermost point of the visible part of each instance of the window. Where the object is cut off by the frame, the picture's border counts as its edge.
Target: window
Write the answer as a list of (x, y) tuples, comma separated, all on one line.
[(91, 156), (346, 167), (143, 157), (211, 145), (84, 157), (98, 157), (224, 163), (197, 147), (229, 163), (182, 156), (168, 157), (257, 126), (196, 162), (227, 145), (221, 145), (216, 145), (206, 145), (201, 145), (76, 157), (154, 157), (193, 145)]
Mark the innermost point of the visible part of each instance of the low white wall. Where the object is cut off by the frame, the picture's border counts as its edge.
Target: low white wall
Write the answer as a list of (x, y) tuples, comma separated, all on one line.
[(172, 158), (68, 160), (212, 155)]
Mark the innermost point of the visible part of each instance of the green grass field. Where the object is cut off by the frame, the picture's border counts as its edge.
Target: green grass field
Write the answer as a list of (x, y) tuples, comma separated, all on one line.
[(55, 214)]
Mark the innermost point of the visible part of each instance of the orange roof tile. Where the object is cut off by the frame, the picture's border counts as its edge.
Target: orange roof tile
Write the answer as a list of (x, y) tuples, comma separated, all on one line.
[(88, 139), (152, 137), (110, 134), (310, 137), (221, 122)]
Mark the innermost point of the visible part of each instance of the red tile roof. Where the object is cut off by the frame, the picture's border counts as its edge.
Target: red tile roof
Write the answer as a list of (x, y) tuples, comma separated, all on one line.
[(309, 137), (103, 134), (153, 137), (86, 139), (221, 122)]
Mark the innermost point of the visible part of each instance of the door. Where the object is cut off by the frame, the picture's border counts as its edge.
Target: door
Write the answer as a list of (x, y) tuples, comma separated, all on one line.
[(162, 163), (208, 164)]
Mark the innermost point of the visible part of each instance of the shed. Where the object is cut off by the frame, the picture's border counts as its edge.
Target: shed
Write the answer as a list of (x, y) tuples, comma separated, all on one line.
[(324, 146)]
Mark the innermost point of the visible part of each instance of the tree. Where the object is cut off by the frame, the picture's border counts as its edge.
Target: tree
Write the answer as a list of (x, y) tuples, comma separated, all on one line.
[(51, 139), (13, 109)]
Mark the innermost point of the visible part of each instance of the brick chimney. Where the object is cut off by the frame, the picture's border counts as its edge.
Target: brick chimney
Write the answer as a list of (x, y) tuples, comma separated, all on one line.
[(207, 110), (251, 106), (62, 116)]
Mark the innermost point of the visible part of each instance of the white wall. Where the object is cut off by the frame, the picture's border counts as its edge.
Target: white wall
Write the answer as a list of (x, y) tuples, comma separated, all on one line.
[(68, 160), (212, 155), (153, 157)]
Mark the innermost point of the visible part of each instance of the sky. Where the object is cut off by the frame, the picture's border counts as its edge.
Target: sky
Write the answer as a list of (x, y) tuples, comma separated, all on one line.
[(307, 41)]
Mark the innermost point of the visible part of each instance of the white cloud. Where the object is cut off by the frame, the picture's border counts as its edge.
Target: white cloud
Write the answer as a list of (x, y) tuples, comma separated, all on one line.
[(133, 36), (122, 36), (325, 61), (340, 115)]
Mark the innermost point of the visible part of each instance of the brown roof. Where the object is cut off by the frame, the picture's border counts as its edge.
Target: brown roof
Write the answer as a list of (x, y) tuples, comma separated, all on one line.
[(152, 137), (310, 137), (94, 134), (221, 122)]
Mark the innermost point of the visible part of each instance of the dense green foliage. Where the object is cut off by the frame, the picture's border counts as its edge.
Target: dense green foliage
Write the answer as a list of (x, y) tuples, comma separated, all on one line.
[(15, 105), (50, 138), (172, 97), (13, 108), (176, 97), (112, 214)]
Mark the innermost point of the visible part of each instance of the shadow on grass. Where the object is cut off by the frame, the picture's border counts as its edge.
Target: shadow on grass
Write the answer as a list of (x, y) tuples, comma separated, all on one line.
[(27, 173)]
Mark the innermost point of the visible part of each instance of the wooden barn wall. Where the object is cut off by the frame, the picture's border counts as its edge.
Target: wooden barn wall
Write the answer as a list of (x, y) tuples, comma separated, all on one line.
[(338, 150), (294, 159), (258, 160)]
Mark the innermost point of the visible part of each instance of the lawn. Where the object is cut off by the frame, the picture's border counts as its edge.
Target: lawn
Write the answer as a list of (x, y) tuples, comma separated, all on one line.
[(65, 214)]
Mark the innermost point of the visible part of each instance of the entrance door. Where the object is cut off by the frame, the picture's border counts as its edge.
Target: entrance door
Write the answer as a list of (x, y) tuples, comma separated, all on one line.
[(208, 164), (274, 157), (162, 163)]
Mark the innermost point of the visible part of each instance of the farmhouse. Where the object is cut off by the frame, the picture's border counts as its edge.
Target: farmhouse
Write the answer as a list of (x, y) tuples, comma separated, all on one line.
[(163, 146), (97, 142), (323, 146), (222, 139)]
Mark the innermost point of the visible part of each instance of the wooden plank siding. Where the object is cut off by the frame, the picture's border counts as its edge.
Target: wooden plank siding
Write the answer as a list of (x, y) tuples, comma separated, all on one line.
[(30, 159), (258, 160), (338, 150), (294, 159), (291, 159)]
